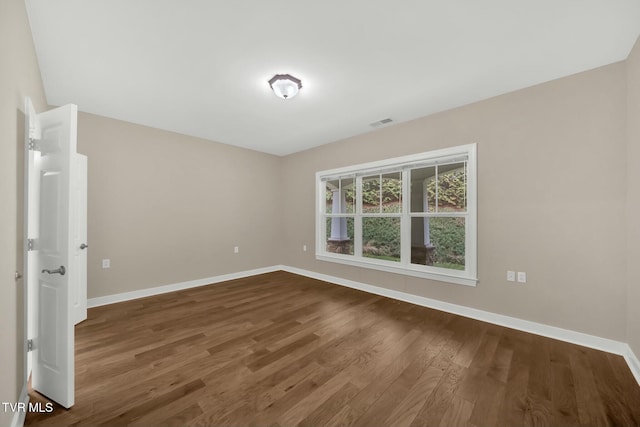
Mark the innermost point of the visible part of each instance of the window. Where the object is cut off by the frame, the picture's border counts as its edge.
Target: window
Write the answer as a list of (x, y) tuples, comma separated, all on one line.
[(413, 215)]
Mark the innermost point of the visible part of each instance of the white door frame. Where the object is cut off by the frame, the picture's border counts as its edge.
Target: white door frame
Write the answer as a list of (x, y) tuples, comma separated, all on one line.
[(32, 131)]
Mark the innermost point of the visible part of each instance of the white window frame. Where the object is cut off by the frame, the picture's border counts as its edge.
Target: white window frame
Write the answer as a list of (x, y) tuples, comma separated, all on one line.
[(447, 155)]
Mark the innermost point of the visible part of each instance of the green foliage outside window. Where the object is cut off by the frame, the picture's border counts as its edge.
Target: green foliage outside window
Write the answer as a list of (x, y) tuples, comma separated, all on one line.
[(391, 190), (447, 235), (451, 190), (381, 237)]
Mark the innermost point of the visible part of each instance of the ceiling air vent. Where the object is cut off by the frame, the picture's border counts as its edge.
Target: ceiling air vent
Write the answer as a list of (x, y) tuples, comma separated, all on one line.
[(380, 122)]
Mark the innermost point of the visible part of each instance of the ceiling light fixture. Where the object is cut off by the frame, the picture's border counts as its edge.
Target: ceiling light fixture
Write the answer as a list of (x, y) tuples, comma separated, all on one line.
[(285, 86)]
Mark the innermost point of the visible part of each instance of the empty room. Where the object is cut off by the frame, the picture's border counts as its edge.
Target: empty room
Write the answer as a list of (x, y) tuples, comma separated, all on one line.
[(319, 214)]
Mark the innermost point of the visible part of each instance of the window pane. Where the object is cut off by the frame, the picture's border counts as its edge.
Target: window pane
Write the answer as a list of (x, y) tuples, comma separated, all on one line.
[(340, 235), (340, 196), (452, 188), (381, 238), (349, 191), (331, 189), (392, 192), (423, 189), (371, 194), (438, 242)]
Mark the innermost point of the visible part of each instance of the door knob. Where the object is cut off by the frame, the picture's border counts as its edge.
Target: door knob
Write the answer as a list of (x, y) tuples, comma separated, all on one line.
[(84, 246), (59, 271)]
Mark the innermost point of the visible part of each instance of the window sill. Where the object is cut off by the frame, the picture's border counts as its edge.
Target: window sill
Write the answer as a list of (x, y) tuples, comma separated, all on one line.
[(391, 268)]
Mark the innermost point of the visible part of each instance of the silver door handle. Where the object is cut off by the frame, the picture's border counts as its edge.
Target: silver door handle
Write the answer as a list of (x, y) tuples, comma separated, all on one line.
[(59, 271), (84, 246)]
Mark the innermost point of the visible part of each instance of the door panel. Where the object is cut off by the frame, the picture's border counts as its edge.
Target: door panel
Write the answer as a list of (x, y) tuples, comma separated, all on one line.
[(49, 350), (53, 354)]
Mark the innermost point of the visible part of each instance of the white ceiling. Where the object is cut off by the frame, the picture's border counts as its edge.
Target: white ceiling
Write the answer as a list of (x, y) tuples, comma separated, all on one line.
[(200, 67)]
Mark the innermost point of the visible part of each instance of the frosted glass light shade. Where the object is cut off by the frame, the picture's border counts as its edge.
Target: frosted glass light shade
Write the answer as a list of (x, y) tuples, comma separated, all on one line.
[(285, 86)]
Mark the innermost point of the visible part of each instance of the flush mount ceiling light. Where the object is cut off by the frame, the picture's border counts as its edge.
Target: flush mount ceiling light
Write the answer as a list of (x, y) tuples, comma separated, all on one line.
[(285, 86)]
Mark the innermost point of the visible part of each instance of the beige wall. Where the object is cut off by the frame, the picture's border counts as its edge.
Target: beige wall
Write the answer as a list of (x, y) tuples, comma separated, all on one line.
[(167, 208), (19, 77), (633, 198), (551, 186)]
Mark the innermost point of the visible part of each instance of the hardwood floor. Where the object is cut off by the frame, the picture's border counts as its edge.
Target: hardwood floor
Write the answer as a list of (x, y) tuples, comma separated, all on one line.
[(284, 350)]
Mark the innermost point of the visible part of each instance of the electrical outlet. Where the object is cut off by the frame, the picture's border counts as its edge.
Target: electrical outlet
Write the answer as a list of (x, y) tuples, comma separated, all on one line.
[(511, 276), (522, 277), (106, 263), (236, 249), (304, 248)]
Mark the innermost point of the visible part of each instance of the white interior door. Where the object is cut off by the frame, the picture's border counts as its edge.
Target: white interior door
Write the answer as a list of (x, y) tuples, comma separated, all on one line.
[(53, 255)]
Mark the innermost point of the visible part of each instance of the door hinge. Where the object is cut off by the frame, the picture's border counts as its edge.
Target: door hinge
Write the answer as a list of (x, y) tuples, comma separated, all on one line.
[(31, 244), (29, 345), (33, 145)]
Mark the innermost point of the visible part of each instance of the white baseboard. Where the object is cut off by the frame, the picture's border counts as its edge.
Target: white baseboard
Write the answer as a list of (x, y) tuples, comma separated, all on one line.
[(579, 338), (19, 416), (142, 293), (633, 362)]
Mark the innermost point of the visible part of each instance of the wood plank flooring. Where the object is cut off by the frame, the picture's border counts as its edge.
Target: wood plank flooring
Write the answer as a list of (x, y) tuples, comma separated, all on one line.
[(283, 350)]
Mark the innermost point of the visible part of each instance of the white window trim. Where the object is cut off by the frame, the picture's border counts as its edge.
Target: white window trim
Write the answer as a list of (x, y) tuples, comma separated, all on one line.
[(467, 277)]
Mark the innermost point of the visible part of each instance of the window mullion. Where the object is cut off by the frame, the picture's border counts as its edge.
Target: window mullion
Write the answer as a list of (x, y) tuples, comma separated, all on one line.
[(405, 221), (357, 221)]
